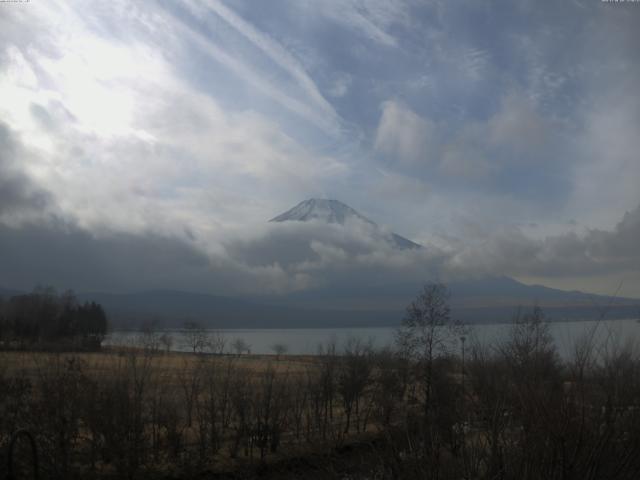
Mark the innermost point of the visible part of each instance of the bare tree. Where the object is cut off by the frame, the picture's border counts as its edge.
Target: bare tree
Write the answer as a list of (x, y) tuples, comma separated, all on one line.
[(166, 340), (427, 331), (149, 338), (279, 349), (354, 377), (190, 379), (391, 382), (216, 342), (240, 346), (195, 336), (325, 387)]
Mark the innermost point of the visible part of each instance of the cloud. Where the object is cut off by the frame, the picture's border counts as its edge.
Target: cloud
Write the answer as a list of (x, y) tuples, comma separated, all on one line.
[(195, 121), (274, 50), (518, 127), (341, 85), (474, 62), (246, 73), (403, 135), (398, 186), (512, 135), (273, 259), (124, 141), (606, 252), (607, 174), (20, 197), (65, 255), (462, 160), (373, 19), (279, 258)]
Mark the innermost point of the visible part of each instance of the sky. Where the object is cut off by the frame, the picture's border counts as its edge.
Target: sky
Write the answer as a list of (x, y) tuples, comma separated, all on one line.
[(146, 144)]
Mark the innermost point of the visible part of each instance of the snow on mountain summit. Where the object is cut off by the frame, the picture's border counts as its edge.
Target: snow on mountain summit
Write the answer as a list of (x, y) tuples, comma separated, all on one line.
[(334, 211), (329, 211)]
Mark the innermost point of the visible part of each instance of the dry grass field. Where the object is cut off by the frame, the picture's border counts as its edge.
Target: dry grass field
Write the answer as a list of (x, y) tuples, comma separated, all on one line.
[(133, 412), (515, 411), (109, 359)]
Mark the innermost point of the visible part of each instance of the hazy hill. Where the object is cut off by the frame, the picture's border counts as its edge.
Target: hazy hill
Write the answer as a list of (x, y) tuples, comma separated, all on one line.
[(469, 304), (490, 300), (173, 308)]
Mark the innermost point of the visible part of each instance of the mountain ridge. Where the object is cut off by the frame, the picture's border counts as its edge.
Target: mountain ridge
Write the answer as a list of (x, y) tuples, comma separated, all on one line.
[(173, 307), (336, 212), (323, 309)]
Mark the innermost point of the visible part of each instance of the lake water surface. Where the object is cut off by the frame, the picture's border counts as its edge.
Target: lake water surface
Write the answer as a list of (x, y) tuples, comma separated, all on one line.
[(305, 341)]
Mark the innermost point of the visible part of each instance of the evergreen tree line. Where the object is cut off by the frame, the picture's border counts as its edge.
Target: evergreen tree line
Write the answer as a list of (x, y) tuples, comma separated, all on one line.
[(45, 317)]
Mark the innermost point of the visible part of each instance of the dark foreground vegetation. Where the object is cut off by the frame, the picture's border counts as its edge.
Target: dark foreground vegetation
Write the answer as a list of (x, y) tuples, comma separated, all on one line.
[(434, 407)]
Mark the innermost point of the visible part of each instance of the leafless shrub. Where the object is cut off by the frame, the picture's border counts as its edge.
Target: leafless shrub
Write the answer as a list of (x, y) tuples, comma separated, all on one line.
[(279, 349), (240, 346), (195, 336), (354, 377)]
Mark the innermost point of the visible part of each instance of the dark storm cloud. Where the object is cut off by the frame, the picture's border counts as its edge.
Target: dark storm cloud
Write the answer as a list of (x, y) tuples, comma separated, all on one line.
[(620, 247), (65, 256), (597, 251), (18, 194), (280, 258), (295, 243), (316, 255), (277, 259)]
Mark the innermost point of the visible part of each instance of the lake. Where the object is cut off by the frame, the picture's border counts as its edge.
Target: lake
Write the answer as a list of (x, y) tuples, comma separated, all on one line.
[(305, 341)]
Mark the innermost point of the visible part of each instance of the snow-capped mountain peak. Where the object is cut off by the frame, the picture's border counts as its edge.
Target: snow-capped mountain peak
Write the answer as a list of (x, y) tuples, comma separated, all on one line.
[(329, 211), (334, 211)]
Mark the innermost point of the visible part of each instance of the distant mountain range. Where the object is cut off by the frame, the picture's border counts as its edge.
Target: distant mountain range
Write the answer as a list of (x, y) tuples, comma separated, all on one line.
[(483, 301), (489, 299)]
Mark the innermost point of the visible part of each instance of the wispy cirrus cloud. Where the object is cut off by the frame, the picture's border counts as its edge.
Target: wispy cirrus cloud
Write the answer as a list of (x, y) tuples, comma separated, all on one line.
[(318, 111), (275, 51), (372, 19)]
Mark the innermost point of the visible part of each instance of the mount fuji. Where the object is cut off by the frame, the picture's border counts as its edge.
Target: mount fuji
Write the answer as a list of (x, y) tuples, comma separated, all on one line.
[(336, 212), (351, 273)]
